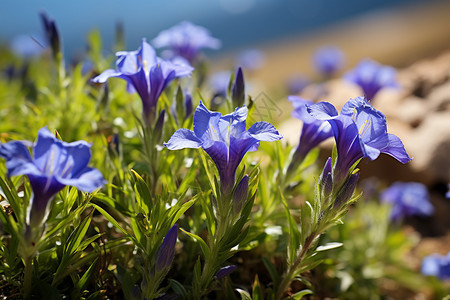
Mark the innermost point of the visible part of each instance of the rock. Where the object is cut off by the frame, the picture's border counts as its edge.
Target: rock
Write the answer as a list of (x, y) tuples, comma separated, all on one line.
[(430, 146)]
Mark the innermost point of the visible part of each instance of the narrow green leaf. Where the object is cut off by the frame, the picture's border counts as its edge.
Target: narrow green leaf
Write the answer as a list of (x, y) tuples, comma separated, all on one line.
[(301, 294), (178, 288), (86, 276), (208, 172), (142, 190), (115, 223), (329, 246), (77, 236), (257, 292), (183, 209), (244, 294), (272, 271), (203, 246)]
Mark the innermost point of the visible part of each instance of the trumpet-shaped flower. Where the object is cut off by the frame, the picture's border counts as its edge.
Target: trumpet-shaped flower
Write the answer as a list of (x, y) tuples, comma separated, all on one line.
[(360, 131), (328, 60), (437, 265), (54, 165), (372, 77), (186, 40), (146, 74), (224, 138), (314, 131), (407, 199)]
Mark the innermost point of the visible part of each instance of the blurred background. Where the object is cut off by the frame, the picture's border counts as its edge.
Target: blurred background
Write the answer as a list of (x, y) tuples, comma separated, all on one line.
[(380, 26), (275, 41)]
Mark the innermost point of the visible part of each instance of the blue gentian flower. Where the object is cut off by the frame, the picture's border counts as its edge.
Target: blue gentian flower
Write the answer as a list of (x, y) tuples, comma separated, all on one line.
[(314, 131), (164, 254), (145, 74), (54, 165), (407, 199), (437, 265), (360, 131), (186, 40), (328, 60), (224, 138), (371, 77)]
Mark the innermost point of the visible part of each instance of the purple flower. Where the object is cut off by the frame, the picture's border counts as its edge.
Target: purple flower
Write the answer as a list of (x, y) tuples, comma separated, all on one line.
[(225, 271), (360, 131), (407, 199), (165, 253), (54, 165), (437, 265), (372, 77), (328, 60), (224, 138), (186, 40), (145, 74), (314, 131)]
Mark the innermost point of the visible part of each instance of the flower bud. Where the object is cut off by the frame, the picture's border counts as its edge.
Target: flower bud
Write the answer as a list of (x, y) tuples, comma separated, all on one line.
[(326, 179), (225, 271), (188, 104), (238, 89), (159, 126), (346, 191), (51, 33), (165, 253)]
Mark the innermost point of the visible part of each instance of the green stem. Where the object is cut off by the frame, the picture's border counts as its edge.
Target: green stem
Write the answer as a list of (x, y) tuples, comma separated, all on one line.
[(290, 274), (28, 276), (212, 262)]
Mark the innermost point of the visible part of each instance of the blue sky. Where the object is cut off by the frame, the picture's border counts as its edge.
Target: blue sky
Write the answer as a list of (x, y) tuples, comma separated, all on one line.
[(238, 23)]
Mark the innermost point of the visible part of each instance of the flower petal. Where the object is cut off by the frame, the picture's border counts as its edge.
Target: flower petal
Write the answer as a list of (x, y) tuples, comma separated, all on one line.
[(396, 149), (18, 159), (202, 117), (264, 131), (183, 138), (103, 77), (322, 110), (87, 180)]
